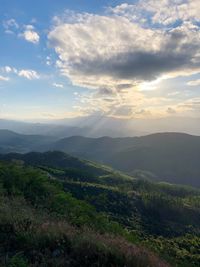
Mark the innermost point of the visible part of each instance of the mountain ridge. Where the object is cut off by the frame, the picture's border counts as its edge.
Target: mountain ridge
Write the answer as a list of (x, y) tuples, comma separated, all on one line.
[(170, 157)]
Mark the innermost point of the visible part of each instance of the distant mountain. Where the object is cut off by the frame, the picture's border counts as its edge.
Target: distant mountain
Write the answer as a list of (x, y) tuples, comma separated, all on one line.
[(100, 125), (171, 157), (91, 127), (41, 128), (14, 142)]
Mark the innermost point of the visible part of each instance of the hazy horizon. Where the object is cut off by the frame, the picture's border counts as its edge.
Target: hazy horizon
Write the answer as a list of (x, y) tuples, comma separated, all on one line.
[(98, 126)]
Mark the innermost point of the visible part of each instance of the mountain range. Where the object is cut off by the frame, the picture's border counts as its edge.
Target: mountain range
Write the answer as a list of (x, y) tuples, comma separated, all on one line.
[(170, 157), (99, 125)]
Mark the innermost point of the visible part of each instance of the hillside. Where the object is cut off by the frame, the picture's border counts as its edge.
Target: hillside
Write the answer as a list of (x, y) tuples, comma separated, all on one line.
[(59, 160), (158, 216), (14, 142), (43, 225), (170, 157)]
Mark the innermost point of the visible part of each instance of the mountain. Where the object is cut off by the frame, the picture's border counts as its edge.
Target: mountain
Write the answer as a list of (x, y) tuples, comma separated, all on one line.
[(53, 130), (60, 160), (92, 126), (171, 157), (100, 125), (58, 210), (11, 141)]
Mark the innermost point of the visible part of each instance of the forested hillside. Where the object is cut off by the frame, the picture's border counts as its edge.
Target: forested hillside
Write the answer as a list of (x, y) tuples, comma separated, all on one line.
[(55, 207), (170, 157), (43, 225)]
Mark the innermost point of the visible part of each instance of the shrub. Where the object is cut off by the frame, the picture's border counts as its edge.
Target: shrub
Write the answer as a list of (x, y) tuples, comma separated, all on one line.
[(18, 261)]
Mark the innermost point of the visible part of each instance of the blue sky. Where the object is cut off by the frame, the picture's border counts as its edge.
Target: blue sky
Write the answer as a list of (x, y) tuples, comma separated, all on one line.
[(127, 59)]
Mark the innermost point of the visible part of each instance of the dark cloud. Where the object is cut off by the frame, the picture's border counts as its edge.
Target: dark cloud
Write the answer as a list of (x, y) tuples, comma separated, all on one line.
[(124, 86), (143, 55), (137, 65), (171, 110), (105, 91)]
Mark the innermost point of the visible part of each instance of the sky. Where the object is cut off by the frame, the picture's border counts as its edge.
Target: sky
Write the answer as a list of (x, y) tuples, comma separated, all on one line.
[(124, 59)]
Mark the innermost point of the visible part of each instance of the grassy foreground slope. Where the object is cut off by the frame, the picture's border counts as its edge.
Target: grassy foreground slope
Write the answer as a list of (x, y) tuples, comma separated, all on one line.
[(162, 217), (42, 225)]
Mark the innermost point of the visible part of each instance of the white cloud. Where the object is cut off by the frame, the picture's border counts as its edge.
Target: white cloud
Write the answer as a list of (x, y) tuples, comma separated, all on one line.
[(108, 51), (163, 12), (30, 34), (28, 74), (167, 12), (194, 83), (3, 78), (58, 85), (123, 56), (48, 61), (10, 25), (8, 69)]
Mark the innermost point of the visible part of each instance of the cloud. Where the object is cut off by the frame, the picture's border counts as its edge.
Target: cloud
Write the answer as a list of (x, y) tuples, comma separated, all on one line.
[(10, 23), (48, 61), (132, 104), (105, 51), (127, 52), (171, 110), (194, 83), (30, 35), (123, 111), (192, 105), (166, 12), (8, 69), (28, 74), (10, 26), (58, 85), (3, 78)]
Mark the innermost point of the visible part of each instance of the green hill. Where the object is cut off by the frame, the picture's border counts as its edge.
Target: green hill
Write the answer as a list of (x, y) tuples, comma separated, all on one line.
[(99, 204), (170, 157), (42, 225), (14, 142)]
